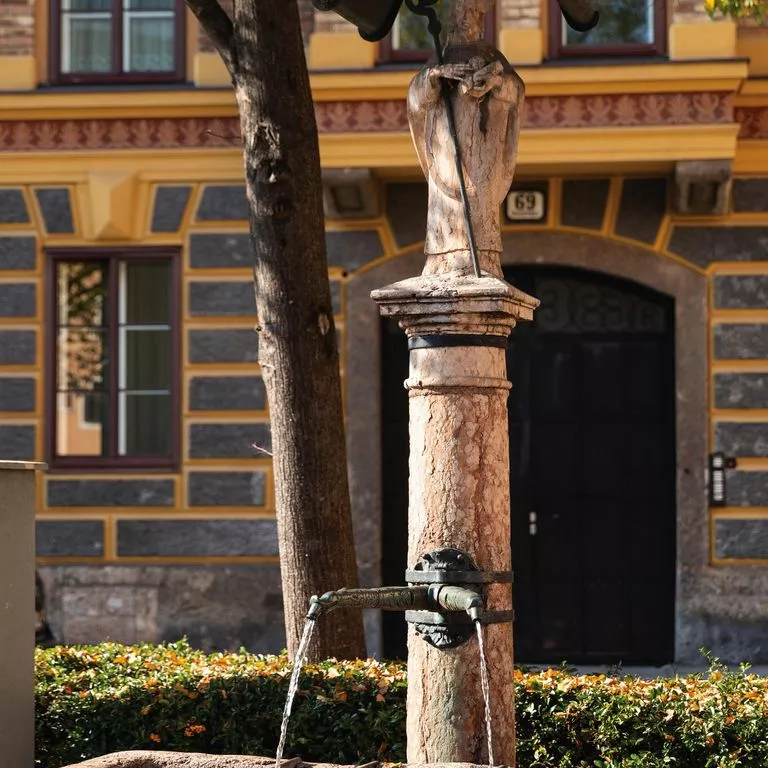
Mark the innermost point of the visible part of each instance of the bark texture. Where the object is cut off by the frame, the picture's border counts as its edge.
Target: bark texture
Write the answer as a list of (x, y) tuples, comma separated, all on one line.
[(297, 344)]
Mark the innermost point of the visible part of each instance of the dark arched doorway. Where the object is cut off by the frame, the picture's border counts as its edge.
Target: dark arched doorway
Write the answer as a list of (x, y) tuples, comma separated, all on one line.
[(592, 444)]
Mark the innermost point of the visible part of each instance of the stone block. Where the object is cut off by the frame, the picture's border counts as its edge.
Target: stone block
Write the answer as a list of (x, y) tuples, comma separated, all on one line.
[(741, 390), (746, 489), (144, 492), (741, 291), (170, 204), (706, 245), (209, 299), (350, 193), (17, 442), (227, 393), (18, 300), (741, 539), (13, 209), (407, 212), (228, 345), (228, 441), (584, 202), (226, 489), (223, 203), (741, 341), (69, 538), (17, 394), (642, 208), (197, 538), (702, 187), (742, 439), (56, 209), (17, 347), (220, 251), (351, 250), (18, 252), (750, 195)]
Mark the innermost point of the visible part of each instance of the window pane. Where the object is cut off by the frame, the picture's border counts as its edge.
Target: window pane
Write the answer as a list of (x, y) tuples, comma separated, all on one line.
[(146, 359), (86, 44), (146, 425), (147, 293), (82, 424), (82, 294), (622, 22), (148, 5), (104, 6), (81, 359), (410, 31), (149, 42)]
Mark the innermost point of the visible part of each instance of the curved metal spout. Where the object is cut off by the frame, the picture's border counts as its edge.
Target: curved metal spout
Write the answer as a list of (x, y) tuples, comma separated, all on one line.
[(456, 599)]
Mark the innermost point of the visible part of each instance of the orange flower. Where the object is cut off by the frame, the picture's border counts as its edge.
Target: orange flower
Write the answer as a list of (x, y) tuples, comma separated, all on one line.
[(191, 730), (154, 737)]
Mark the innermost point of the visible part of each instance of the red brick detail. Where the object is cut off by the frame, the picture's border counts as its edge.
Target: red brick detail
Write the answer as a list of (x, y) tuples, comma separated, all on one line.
[(754, 122)]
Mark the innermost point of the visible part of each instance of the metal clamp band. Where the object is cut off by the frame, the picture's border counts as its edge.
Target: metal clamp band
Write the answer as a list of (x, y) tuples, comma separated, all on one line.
[(433, 618), (460, 577), (433, 341)]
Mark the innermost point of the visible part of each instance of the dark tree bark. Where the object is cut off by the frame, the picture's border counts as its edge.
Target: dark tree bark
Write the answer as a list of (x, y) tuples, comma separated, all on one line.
[(262, 47)]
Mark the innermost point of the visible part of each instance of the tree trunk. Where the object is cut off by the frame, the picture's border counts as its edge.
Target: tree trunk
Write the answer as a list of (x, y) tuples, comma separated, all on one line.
[(298, 350)]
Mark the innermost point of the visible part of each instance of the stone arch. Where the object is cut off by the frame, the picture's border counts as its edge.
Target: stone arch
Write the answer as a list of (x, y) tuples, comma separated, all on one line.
[(590, 252)]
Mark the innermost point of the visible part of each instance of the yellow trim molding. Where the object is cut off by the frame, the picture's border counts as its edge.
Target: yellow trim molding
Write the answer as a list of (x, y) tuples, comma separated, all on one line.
[(522, 46), (702, 40), (209, 71), (18, 73), (753, 45), (340, 50), (751, 158)]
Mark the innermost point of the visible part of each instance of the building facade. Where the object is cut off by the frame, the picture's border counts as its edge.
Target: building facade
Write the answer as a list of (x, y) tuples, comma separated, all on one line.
[(129, 361)]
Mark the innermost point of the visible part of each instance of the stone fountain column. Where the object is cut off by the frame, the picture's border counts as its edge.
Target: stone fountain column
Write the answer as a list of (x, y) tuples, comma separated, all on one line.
[(458, 325)]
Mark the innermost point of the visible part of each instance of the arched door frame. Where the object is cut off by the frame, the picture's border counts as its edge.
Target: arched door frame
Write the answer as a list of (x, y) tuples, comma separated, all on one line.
[(598, 254)]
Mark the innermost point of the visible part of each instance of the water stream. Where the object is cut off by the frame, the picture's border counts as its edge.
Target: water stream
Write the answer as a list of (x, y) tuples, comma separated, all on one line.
[(298, 662), (486, 685)]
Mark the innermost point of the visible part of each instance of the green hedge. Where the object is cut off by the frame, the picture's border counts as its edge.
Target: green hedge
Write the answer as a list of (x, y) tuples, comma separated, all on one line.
[(99, 699)]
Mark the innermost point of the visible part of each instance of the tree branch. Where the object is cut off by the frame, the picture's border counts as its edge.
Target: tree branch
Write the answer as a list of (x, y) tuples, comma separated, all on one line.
[(217, 25)]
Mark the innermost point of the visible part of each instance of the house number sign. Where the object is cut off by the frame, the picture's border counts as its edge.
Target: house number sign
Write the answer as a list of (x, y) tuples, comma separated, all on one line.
[(526, 205)]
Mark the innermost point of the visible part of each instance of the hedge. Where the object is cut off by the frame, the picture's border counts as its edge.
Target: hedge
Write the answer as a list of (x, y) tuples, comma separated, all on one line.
[(98, 699)]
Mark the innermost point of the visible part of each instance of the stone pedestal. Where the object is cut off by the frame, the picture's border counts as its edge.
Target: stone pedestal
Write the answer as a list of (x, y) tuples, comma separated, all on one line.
[(457, 327), (17, 612)]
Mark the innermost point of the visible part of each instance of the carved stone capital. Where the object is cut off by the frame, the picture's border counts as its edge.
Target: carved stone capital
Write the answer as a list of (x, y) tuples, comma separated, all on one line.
[(703, 187), (350, 193)]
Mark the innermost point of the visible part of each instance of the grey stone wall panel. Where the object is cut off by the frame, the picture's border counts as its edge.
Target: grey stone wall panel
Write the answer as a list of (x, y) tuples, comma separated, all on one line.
[(18, 300), (228, 441), (17, 347), (584, 202), (17, 394), (746, 489), (741, 539), (741, 341), (18, 252), (211, 299), (143, 492), (56, 208), (642, 208), (742, 439), (223, 203), (226, 489), (227, 393), (227, 345), (351, 250), (741, 390), (197, 538), (705, 245), (750, 195), (170, 204), (407, 212), (69, 538), (13, 209), (741, 291), (220, 251), (17, 442)]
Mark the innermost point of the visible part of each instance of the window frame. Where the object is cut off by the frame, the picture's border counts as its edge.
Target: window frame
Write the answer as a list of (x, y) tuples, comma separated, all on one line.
[(56, 256), (387, 54), (117, 76), (561, 51)]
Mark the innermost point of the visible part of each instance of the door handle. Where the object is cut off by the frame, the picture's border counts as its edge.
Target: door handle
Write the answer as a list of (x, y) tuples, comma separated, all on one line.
[(533, 527)]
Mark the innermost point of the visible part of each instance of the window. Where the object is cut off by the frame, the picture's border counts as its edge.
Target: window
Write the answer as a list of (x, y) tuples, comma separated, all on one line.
[(410, 41), (117, 40), (113, 361), (626, 27)]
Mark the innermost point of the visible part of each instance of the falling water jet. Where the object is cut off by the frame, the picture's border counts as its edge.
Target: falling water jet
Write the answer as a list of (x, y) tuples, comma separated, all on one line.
[(486, 686), (298, 662)]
